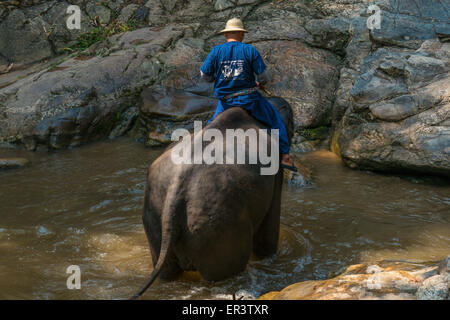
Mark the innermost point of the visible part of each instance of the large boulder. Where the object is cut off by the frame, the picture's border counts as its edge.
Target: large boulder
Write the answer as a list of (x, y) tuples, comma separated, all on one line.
[(399, 116), (383, 280), (8, 163), (391, 111), (304, 76), (164, 110), (24, 40), (81, 99), (38, 32)]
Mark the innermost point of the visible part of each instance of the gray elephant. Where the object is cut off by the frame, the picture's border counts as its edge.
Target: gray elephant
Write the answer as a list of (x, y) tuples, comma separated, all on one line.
[(210, 218)]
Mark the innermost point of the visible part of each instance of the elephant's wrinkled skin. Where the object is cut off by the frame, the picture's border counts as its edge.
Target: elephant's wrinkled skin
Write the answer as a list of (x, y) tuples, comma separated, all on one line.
[(210, 218)]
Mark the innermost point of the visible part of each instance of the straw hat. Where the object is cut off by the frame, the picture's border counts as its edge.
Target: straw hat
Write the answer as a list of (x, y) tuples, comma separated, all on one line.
[(234, 24)]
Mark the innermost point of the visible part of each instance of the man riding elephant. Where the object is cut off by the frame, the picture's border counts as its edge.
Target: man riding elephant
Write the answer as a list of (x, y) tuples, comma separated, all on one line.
[(233, 66), (212, 217)]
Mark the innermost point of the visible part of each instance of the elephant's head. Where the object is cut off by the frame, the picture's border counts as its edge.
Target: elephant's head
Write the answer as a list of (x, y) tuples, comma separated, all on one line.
[(285, 110)]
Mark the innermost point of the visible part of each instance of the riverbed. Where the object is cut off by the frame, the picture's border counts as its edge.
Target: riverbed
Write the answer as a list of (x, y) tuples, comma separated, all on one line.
[(83, 207)]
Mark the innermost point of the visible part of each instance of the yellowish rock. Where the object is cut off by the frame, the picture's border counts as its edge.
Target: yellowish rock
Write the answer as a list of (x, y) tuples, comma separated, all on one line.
[(384, 280)]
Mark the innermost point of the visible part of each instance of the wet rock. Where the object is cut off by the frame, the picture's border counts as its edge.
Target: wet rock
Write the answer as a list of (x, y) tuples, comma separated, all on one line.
[(384, 280), (164, 110), (298, 179), (124, 122), (13, 163), (383, 91), (444, 266), (434, 288)]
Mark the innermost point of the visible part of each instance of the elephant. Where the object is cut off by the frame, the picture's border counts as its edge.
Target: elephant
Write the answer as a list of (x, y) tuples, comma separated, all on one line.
[(210, 217)]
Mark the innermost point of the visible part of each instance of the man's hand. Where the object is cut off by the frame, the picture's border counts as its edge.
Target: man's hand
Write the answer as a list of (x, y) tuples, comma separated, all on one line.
[(261, 86)]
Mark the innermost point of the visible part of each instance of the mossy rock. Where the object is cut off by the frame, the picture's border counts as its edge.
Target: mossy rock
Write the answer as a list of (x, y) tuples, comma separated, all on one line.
[(319, 133)]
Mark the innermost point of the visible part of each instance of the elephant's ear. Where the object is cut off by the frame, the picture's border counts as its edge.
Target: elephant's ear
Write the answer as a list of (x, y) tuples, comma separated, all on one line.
[(285, 110)]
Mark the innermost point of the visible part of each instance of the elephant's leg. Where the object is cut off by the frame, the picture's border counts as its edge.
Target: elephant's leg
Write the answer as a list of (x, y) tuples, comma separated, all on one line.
[(226, 253), (265, 240)]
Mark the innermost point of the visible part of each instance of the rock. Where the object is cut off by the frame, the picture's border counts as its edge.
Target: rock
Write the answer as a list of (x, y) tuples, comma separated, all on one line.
[(444, 266), (141, 13), (60, 36), (13, 163), (156, 14), (175, 104), (384, 280), (127, 12), (164, 110), (382, 91), (332, 34), (306, 77), (298, 179), (169, 5), (434, 288), (124, 122), (399, 112), (24, 40), (79, 101), (186, 51), (221, 5), (115, 4), (97, 10), (38, 32), (410, 22)]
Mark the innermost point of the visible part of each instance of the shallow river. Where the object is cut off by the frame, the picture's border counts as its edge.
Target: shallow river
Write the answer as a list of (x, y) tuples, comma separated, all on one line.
[(83, 207)]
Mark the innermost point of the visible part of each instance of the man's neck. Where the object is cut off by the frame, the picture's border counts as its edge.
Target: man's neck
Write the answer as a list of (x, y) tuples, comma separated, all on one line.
[(232, 40)]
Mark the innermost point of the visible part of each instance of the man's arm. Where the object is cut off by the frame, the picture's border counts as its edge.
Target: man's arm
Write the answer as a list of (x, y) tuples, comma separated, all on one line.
[(262, 78), (206, 78)]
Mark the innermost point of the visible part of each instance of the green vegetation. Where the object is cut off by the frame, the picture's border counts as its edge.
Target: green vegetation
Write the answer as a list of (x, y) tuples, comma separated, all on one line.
[(318, 133), (101, 33)]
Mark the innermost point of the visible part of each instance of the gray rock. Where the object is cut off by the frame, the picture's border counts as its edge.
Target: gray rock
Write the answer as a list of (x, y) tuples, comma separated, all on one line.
[(141, 13), (306, 77), (124, 122), (97, 10), (13, 163), (60, 36), (156, 15), (398, 112), (221, 5), (127, 12), (164, 110), (422, 69), (115, 4), (396, 109), (444, 266), (330, 34), (24, 40), (169, 5), (434, 288), (79, 100)]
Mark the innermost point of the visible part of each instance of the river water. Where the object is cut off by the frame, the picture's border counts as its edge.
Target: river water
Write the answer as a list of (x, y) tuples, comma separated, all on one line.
[(83, 207)]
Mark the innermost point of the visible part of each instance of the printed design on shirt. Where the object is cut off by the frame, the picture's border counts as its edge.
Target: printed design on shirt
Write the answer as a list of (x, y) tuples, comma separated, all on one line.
[(232, 69)]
